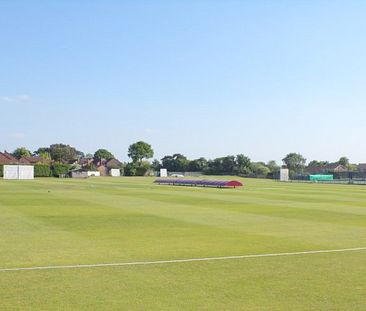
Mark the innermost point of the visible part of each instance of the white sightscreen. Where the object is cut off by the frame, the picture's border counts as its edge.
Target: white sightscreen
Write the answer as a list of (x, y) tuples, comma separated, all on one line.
[(26, 172), (163, 172), (284, 176), (115, 172), (18, 172), (11, 172)]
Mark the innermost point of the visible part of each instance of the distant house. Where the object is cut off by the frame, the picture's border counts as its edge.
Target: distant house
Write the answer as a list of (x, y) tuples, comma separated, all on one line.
[(336, 168), (85, 161), (104, 166), (361, 167), (7, 158), (329, 168)]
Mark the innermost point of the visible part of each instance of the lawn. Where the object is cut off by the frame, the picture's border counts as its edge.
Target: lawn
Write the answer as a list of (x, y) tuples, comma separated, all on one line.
[(107, 220)]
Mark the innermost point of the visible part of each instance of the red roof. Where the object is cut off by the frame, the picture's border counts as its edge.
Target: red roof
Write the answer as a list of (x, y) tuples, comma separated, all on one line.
[(34, 160), (7, 158)]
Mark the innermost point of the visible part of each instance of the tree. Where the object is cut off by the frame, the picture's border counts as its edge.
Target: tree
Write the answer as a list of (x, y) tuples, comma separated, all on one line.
[(61, 152), (103, 154), (272, 166), (182, 162), (228, 164), (130, 169), (21, 152), (155, 165), (175, 163), (260, 170), (222, 165), (243, 164), (43, 152), (344, 161), (59, 169), (315, 163), (197, 165), (352, 167), (143, 169), (295, 162), (140, 151)]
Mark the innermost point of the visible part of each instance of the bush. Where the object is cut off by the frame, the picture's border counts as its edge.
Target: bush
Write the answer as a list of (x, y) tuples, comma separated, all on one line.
[(1, 170), (143, 169), (130, 169), (42, 170), (59, 169)]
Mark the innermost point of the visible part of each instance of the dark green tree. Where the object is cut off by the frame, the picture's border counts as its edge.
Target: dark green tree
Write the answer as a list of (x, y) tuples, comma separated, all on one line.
[(175, 163), (103, 154), (143, 168), (155, 165), (315, 163), (140, 151), (63, 153), (295, 162), (272, 166), (243, 165), (21, 152), (259, 169), (198, 165), (344, 161), (58, 169), (43, 152)]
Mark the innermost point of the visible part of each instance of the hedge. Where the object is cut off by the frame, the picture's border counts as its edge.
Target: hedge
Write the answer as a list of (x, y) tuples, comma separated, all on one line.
[(42, 170)]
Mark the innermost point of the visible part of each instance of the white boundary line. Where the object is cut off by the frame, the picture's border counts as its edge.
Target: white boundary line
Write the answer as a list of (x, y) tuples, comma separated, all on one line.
[(138, 263)]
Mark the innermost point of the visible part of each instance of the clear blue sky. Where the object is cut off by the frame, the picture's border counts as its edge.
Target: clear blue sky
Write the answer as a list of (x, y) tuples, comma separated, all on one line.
[(203, 78)]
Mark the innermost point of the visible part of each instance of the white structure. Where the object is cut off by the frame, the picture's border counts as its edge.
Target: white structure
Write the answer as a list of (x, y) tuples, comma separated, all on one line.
[(115, 172), (163, 172), (284, 174), (79, 174), (84, 174), (93, 173), (18, 172)]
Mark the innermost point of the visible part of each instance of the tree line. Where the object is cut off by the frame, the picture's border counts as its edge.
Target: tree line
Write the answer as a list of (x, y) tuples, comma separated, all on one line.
[(63, 158)]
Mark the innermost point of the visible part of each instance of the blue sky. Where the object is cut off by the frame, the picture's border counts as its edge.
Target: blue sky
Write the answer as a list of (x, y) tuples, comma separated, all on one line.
[(203, 78)]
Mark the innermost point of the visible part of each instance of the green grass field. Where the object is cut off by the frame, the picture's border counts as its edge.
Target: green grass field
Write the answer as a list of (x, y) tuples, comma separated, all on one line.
[(104, 220)]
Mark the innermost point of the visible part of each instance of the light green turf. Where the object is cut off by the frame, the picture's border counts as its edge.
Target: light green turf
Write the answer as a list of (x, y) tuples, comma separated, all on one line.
[(106, 220)]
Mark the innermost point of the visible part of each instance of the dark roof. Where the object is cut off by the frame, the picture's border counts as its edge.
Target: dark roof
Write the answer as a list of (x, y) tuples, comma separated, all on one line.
[(85, 161), (113, 163), (332, 166)]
